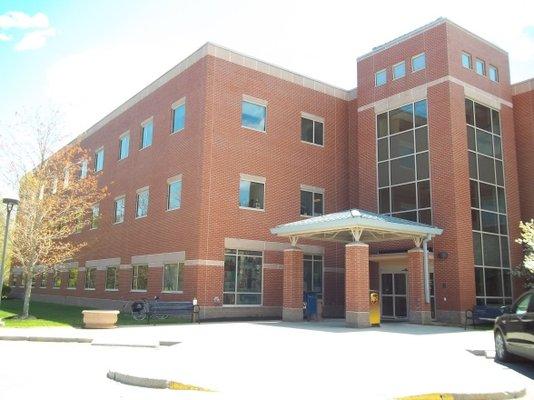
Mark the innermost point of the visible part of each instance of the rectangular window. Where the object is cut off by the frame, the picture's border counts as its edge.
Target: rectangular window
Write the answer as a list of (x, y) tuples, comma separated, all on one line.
[(418, 62), (147, 131), (172, 277), (381, 78), (493, 73), (112, 278), (90, 278), (466, 60), (119, 209), (95, 216), (57, 279), (124, 146), (311, 130), (243, 272), (480, 67), (313, 273), (140, 278), (142, 203), (178, 117), (253, 115), (83, 169), (43, 283), (99, 160), (251, 194), (174, 194), (311, 201), (399, 70), (73, 278)]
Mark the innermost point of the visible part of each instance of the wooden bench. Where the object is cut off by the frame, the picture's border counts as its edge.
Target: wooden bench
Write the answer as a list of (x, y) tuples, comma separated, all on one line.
[(482, 313)]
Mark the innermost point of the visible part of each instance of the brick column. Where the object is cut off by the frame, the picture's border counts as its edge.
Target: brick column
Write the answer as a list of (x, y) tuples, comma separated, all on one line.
[(418, 309), (357, 285), (293, 285)]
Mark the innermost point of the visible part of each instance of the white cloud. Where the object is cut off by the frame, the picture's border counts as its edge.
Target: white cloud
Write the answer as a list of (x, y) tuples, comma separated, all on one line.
[(4, 37), (17, 19), (35, 40)]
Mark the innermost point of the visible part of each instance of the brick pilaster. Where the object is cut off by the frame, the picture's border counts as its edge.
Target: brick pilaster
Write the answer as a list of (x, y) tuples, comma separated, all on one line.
[(418, 309), (357, 285), (293, 285)]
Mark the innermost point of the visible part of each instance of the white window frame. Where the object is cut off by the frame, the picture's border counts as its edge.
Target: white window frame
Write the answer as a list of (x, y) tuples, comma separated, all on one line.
[(68, 278), (135, 268), (97, 152), (465, 53), (177, 104), (393, 70), (95, 218), (258, 102), (121, 137), (181, 266), (484, 69), (490, 68), (254, 179), (313, 190), (313, 118), (56, 274), (313, 269), (170, 181), (138, 192), (143, 125), (116, 288), (44, 279), (377, 73), (253, 293), (87, 269), (123, 197), (417, 56)]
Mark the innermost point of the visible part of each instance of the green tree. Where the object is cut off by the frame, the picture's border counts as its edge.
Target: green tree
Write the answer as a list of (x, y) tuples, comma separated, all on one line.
[(526, 270)]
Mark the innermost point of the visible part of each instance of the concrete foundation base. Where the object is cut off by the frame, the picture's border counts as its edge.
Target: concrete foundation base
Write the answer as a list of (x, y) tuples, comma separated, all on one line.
[(292, 314), (357, 319), (420, 317), (450, 317)]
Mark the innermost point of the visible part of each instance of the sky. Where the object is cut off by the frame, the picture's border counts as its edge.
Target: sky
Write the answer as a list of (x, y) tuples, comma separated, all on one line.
[(85, 58)]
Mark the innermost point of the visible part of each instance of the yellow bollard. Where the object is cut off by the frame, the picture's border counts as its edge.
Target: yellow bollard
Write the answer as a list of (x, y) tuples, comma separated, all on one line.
[(374, 308)]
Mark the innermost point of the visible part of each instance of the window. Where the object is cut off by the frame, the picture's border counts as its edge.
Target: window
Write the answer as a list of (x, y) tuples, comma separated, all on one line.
[(253, 115), (466, 60), (43, 280), (124, 146), (83, 169), (99, 160), (112, 279), (73, 278), (403, 163), (311, 201), (140, 278), (313, 273), (242, 277), (522, 306), (147, 130), (381, 78), (142, 203), (57, 279), (178, 117), (90, 278), (493, 73), (174, 193), (95, 216), (480, 67), (311, 130), (399, 70), (54, 185), (418, 62), (251, 193), (119, 209), (172, 277)]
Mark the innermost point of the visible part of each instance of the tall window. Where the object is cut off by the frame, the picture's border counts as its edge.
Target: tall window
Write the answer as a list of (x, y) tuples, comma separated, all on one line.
[(119, 209), (99, 160), (251, 193), (311, 130), (124, 146), (44, 276), (399, 70), (403, 163), (242, 277), (147, 131), (178, 117), (83, 169), (311, 201), (480, 67), (174, 193), (90, 278), (466, 60), (313, 273), (73, 278), (112, 278), (57, 279), (418, 62), (493, 73), (253, 115), (488, 205), (95, 216), (142, 203), (173, 277), (140, 277), (381, 78)]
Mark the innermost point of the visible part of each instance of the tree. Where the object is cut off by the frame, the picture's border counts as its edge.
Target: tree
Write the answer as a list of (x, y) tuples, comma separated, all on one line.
[(55, 203), (526, 270)]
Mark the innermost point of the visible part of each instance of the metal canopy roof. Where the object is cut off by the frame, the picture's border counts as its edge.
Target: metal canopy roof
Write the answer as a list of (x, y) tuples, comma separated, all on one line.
[(348, 226)]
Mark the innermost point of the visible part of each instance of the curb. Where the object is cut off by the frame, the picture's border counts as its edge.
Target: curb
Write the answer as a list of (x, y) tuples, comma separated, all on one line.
[(152, 383), (514, 394), (50, 339)]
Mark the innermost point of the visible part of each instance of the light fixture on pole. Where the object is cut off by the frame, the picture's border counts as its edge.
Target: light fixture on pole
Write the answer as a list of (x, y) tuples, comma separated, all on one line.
[(10, 203)]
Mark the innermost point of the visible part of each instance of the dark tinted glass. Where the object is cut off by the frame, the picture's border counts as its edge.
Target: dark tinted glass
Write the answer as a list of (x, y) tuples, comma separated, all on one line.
[(496, 122), (501, 200), (421, 139), (490, 222), (402, 170), (383, 153), (423, 194), (383, 198), (504, 252), (420, 111), (477, 248), (499, 173), (473, 185), (482, 117), (471, 141), (469, 114), (486, 169), (497, 146), (306, 130), (318, 133), (425, 217), (473, 166), (382, 124), (492, 256), (479, 281), (493, 280), (402, 144), (403, 197), (484, 143), (383, 174), (411, 215), (306, 203), (401, 119), (488, 197), (503, 226), (422, 166), (475, 219)]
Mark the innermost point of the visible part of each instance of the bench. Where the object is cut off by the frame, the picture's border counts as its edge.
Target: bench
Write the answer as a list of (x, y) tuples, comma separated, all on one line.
[(482, 313), (163, 309)]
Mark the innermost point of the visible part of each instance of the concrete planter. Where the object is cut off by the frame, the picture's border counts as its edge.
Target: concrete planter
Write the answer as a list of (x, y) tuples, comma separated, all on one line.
[(100, 319)]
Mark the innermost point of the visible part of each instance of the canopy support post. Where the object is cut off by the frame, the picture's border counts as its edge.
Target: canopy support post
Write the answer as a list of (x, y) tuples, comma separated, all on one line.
[(293, 240), (425, 269), (356, 234)]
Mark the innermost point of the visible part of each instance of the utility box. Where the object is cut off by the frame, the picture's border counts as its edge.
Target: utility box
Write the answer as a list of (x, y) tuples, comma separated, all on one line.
[(310, 299), (374, 308)]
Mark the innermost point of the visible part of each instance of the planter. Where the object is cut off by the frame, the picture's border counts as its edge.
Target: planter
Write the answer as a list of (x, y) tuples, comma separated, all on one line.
[(100, 319)]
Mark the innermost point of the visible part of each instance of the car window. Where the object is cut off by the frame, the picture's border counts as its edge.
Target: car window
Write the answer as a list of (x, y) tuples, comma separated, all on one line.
[(522, 305)]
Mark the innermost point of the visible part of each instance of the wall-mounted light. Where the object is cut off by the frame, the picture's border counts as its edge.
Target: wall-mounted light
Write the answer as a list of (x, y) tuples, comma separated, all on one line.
[(443, 255)]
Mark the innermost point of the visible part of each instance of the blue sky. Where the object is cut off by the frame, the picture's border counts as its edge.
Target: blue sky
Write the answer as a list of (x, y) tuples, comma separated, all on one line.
[(87, 57)]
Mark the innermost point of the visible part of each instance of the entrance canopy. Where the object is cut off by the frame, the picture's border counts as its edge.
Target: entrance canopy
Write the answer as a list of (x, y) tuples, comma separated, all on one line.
[(356, 225)]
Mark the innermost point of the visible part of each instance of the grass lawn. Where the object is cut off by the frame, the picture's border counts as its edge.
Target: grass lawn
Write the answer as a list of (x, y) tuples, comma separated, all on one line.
[(50, 314)]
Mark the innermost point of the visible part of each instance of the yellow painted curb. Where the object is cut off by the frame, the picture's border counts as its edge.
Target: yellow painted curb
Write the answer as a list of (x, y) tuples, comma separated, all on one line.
[(430, 396), (173, 385)]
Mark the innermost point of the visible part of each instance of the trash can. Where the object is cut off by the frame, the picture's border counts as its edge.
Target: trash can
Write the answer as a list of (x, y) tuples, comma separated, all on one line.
[(374, 308), (310, 299)]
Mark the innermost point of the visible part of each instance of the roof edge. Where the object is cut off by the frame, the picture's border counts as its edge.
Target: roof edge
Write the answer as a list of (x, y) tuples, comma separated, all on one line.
[(522, 87)]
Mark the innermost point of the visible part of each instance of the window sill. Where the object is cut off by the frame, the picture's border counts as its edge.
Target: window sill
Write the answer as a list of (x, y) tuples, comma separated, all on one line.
[(118, 223), (138, 291), (172, 291), (173, 209), (252, 208), (178, 130), (417, 70), (253, 129), (396, 79), (112, 290), (71, 288), (89, 288), (146, 147), (122, 159), (313, 144), (56, 288), (141, 217)]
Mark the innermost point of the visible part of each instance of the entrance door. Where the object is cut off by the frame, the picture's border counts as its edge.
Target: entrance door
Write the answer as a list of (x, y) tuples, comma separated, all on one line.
[(393, 295)]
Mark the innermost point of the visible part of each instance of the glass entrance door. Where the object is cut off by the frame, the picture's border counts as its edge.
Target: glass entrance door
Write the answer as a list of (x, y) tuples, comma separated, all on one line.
[(393, 295)]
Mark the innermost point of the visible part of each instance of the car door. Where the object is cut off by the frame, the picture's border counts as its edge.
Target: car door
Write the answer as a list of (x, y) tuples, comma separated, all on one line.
[(516, 322)]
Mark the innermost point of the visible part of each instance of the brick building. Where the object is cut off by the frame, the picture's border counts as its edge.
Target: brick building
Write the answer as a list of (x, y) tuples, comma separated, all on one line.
[(216, 164)]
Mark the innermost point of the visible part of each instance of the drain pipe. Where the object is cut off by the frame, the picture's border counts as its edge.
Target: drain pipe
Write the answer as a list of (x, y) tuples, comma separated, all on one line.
[(425, 269)]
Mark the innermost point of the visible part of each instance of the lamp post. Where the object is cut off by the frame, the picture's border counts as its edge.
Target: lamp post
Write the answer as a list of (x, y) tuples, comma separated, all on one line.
[(10, 203)]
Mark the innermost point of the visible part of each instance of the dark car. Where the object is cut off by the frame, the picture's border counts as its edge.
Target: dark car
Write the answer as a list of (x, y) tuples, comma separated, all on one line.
[(514, 330)]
